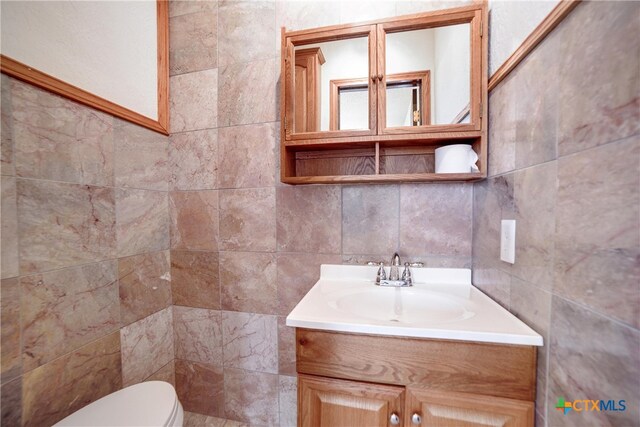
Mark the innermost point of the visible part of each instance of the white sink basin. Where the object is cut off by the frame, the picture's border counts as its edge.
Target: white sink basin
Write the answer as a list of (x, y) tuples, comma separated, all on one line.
[(402, 305), (442, 304)]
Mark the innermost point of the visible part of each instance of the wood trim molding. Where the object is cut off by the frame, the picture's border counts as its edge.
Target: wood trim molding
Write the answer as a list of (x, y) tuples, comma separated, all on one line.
[(551, 21), (47, 82)]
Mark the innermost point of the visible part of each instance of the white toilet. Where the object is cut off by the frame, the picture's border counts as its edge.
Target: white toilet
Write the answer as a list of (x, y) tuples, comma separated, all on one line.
[(152, 403)]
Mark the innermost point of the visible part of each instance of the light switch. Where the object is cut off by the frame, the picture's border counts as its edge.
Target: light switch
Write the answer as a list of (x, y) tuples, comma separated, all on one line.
[(508, 241)]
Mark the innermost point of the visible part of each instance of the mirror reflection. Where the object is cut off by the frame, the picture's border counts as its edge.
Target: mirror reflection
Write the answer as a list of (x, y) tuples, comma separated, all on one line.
[(316, 66), (444, 54)]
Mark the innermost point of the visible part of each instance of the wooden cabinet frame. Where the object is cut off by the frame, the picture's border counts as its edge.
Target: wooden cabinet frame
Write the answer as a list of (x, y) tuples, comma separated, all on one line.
[(378, 137)]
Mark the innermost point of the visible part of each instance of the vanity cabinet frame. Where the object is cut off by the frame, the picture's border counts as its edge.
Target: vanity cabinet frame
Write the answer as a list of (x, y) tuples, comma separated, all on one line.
[(370, 145)]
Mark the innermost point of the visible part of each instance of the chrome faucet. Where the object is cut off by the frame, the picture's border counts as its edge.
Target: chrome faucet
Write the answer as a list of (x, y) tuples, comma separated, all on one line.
[(394, 273)]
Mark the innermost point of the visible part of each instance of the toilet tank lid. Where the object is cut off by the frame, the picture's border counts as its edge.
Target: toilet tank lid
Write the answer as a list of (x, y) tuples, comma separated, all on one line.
[(151, 403)]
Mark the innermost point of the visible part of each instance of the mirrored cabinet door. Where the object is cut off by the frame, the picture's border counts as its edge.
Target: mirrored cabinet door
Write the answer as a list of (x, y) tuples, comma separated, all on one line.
[(428, 81), (333, 83)]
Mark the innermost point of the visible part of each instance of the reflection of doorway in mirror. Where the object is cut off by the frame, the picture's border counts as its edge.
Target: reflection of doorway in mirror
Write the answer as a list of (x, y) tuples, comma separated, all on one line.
[(408, 96)]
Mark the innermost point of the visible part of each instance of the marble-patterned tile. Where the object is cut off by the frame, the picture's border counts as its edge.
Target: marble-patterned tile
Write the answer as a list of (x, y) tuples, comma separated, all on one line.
[(248, 219), (248, 282), (297, 273), (535, 202), (602, 360), (286, 348), (11, 403), (367, 10), (147, 345), (142, 159), (60, 140), (251, 397), (502, 126), (145, 285), (7, 165), (200, 387), (370, 218), (195, 281), (193, 160), (237, 100), (63, 386), (184, 7), (250, 341), (194, 101), (406, 7), (247, 31), (65, 309), (493, 201), (597, 231), (191, 419), (142, 221), (532, 305), (492, 281), (167, 374), (288, 401), (436, 219), (9, 265), (64, 224), (193, 41), (537, 106), (601, 97), (247, 156), (198, 335), (299, 208), (297, 15), (194, 220), (10, 328)]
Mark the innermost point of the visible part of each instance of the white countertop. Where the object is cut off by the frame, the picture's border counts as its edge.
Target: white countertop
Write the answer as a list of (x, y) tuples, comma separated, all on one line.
[(442, 304)]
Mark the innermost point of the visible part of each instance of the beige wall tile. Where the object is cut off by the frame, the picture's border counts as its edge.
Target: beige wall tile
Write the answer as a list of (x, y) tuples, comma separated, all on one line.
[(65, 309), (145, 285), (251, 397), (11, 403), (193, 160), (247, 31), (200, 387), (250, 341), (63, 386), (147, 345), (248, 219), (198, 335), (248, 282), (194, 101), (194, 220), (193, 41), (247, 156), (64, 224), (7, 165), (9, 213), (299, 210), (195, 280), (288, 401), (142, 221), (10, 328)]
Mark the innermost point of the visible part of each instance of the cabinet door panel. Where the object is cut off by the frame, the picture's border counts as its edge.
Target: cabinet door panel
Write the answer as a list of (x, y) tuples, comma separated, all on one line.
[(445, 409), (325, 402)]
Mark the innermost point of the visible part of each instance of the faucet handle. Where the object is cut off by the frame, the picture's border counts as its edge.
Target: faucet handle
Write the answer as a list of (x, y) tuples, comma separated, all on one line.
[(416, 264), (372, 263), (381, 275), (406, 275)]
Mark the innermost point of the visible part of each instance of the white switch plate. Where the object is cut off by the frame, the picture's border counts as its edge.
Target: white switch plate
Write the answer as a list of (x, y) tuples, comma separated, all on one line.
[(508, 241)]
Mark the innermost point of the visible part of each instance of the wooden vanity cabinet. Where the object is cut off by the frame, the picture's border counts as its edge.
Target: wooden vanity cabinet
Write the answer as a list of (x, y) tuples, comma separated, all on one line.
[(356, 380)]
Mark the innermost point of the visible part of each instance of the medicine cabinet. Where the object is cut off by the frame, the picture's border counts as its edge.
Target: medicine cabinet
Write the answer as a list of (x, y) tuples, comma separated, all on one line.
[(371, 102)]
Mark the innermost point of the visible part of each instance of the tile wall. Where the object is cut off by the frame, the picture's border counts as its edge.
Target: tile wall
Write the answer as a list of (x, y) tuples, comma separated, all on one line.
[(564, 147), (85, 290), (246, 248)]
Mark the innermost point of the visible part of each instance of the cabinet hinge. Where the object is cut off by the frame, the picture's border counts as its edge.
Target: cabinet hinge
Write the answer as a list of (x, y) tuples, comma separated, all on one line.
[(480, 28), (285, 123), (481, 109)]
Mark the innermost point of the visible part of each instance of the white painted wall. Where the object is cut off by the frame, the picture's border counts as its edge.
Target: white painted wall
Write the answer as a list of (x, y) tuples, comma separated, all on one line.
[(510, 22), (452, 85), (108, 48)]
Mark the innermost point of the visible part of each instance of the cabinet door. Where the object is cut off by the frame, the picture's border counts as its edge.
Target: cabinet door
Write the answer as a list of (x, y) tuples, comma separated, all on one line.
[(446, 409), (333, 403)]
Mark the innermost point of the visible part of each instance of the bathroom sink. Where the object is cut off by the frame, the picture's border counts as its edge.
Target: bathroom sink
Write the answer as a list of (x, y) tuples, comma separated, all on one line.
[(441, 304), (402, 305)]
